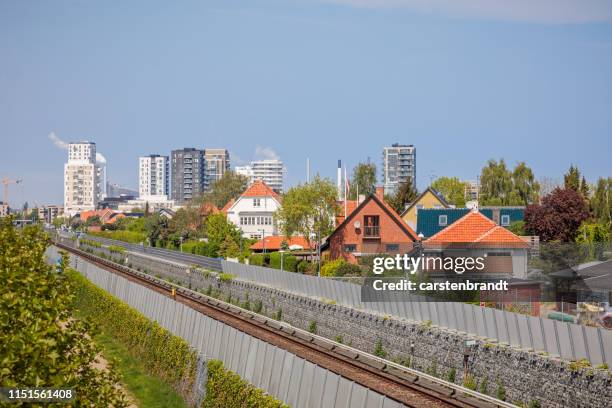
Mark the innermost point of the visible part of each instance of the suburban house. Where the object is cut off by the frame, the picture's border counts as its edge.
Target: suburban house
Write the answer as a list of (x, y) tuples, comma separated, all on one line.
[(253, 212), (373, 227), (274, 243), (476, 235), (430, 198), (430, 221)]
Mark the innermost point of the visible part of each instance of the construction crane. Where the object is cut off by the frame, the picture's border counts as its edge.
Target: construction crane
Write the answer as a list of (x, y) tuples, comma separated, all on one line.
[(5, 183)]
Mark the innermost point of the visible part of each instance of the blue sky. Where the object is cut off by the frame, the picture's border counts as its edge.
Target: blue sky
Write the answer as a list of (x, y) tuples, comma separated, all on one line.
[(464, 81)]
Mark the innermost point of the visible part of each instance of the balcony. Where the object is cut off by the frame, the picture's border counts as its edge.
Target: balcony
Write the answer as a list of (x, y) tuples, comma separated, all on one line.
[(371, 232)]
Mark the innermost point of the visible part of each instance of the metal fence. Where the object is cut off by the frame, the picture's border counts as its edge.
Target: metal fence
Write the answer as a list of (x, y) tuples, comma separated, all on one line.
[(284, 375), (568, 340)]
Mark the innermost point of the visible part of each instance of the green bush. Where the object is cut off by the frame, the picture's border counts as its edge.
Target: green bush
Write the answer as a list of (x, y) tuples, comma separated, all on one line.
[(42, 342), (469, 382), (452, 374), (304, 266), (348, 269), (330, 268), (116, 249), (256, 259), (379, 351), (312, 327), (201, 248), (226, 389)]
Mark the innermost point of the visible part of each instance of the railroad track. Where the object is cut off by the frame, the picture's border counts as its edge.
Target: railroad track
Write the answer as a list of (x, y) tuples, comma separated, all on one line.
[(404, 385)]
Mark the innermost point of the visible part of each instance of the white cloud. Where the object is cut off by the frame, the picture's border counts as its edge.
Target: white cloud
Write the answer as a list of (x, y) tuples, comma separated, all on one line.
[(544, 11), (265, 153)]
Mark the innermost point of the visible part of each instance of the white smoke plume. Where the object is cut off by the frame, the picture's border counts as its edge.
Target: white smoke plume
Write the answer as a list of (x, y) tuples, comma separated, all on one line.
[(265, 153), (64, 146)]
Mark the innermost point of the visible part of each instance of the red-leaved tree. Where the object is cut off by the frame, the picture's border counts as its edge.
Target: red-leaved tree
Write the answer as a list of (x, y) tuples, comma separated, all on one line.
[(558, 217)]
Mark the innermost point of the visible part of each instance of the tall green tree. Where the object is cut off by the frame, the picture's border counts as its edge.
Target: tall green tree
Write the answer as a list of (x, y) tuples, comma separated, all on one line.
[(42, 343), (452, 189), (495, 183), (571, 179), (500, 186), (230, 186), (309, 209), (525, 184), (363, 180), (601, 202), (223, 234), (404, 195)]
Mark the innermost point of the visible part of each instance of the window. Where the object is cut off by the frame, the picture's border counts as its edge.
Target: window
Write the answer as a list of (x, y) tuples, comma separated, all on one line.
[(499, 254), (350, 248), (392, 247), (371, 224), (442, 220), (505, 220), (257, 202)]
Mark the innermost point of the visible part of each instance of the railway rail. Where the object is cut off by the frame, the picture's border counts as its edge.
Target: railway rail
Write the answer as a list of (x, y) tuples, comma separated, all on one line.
[(404, 385)]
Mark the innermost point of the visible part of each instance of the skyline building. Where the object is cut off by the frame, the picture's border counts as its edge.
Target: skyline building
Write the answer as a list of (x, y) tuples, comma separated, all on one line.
[(270, 171), (187, 174), (154, 176), (217, 162), (81, 178), (399, 165)]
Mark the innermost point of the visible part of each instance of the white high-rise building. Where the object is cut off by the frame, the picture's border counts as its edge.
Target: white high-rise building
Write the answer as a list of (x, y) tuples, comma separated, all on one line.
[(153, 176), (269, 171), (399, 165), (81, 178), (246, 171)]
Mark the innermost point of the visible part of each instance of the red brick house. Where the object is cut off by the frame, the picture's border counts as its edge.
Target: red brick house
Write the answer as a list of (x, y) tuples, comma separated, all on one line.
[(373, 227)]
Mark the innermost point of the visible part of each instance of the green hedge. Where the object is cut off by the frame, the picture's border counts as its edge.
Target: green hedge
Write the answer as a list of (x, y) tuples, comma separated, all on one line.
[(226, 389), (289, 261), (201, 248), (164, 355), (133, 237)]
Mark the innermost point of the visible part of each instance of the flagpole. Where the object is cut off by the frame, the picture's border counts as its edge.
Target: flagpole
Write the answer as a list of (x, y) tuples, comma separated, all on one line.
[(345, 191)]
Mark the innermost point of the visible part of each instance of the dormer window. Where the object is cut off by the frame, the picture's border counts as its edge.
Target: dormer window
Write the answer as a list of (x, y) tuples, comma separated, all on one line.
[(442, 220)]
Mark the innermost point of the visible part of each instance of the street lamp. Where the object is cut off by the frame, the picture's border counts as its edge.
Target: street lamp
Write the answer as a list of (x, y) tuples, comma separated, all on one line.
[(263, 239)]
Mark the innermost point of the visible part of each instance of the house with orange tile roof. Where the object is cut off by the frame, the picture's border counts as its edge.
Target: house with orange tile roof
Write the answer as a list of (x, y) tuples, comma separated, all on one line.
[(373, 227), (274, 243), (475, 235), (253, 212)]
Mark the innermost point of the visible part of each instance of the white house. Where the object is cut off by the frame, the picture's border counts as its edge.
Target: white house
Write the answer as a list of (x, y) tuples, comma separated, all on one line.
[(253, 211)]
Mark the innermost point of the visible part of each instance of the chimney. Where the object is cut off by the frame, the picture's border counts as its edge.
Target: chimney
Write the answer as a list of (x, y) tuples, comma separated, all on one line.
[(380, 192)]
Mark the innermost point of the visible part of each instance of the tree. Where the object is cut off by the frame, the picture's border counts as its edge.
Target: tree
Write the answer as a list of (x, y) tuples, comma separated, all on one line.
[(524, 184), (156, 227), (405, 194), (495, 183), (363, 180), (309, 209), (571, 179), (42, 343), (547, 185), (452, 189), (558, 217), (230, 186), (601, 202), (500, 186), (223, 234)]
